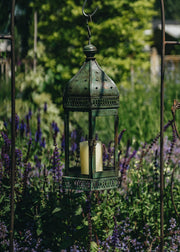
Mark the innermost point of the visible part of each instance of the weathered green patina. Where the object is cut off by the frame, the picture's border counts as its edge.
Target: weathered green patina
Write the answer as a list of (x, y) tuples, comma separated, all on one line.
[(91, 88), (93, 92)]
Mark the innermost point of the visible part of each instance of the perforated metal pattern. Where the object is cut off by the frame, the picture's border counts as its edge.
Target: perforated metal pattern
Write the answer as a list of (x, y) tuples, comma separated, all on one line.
[(79, 102), (83, 184), (90, 88)]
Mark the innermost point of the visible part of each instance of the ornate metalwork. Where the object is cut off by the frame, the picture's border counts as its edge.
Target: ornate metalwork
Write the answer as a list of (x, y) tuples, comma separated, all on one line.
[(92, 91), (88, 15), (72, 102), (83, 184), (91, 87)]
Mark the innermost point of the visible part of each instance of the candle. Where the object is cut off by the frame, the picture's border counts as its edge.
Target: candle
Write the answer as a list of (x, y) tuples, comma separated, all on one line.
[(84, 157), (99, 157)]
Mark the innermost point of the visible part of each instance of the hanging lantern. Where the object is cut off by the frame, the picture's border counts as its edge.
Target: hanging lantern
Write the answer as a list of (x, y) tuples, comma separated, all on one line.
[(91, 101)]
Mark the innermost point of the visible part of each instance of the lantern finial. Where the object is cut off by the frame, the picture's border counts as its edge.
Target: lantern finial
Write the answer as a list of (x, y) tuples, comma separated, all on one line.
[(90, 51)]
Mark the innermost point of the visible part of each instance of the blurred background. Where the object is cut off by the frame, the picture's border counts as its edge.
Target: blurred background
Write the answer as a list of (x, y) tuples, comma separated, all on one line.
[(50, 36)]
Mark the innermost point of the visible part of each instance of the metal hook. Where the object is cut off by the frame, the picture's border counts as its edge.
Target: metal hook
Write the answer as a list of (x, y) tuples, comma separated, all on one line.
[(89, 18), (88, 15)]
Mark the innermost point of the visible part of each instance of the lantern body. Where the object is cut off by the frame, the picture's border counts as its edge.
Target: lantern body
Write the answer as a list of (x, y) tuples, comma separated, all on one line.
[(91, 101)]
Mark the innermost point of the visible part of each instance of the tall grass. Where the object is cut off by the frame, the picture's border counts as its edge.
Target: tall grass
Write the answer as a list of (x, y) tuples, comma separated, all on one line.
[(5, 96), (48, 218), (140, 108), (139, 111)]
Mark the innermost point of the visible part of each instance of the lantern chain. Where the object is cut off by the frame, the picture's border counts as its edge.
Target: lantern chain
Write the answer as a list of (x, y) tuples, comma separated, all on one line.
[(88, 19)]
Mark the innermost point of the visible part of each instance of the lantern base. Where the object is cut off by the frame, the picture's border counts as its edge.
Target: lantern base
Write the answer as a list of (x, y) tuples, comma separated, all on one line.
[(86, 184)]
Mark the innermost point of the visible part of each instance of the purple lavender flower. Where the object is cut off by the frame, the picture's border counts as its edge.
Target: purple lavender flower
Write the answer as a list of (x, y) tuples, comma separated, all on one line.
[(38, 136), (1, 172), (28, 167), (172, 224), (28, 126), (174, 137), (110, 148), (56, 165), (105, 154), (96, 137), (82, 139), (63, 143), (43, 142), (110, 152), (74, 249), (119, 154), (74, 135), (115, 234), (38, 243), (131, 156), (25, 175), (73, 147), (3, 231), (7, 141), (55, 127), (120, 135), (55, 130), (28, 238), (18, 156), (38, 131), (28, 150), (22, 128), (6, 162), (5, 150), (30, 113), (5, 124), (38, 162), (16, 122), (124, 163), (38, 119)]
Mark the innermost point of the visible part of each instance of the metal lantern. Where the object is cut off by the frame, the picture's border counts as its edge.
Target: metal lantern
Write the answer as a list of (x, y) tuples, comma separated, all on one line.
[(91, 101)]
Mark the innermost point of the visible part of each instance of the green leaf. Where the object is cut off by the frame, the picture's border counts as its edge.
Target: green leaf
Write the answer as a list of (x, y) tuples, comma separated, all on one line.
[(56, 210)]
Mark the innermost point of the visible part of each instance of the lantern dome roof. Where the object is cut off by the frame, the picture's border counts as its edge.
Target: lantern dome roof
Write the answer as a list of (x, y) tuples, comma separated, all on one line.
[(91, 88)]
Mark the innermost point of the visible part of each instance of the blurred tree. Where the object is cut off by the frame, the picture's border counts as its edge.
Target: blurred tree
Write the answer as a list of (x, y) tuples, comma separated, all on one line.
[(22, 24), (172, 9), (5, 7), (23, 20), (118, 32)]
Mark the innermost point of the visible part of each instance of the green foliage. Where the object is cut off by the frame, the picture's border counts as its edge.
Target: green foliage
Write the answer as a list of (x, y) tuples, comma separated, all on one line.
[(117, 32), (172, 9), (5, 16), (64, 218), (139, 110), (30, 94), (61, 218)]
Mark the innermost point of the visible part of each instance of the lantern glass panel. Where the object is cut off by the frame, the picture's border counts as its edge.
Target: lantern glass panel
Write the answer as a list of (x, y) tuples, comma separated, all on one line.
[(78, 132), (105, 134)]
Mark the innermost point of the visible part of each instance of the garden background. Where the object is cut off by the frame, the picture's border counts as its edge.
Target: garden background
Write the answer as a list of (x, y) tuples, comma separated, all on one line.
[(48, 218)]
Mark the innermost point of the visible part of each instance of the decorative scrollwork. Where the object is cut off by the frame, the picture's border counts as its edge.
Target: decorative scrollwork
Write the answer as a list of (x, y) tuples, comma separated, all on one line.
[(84, 184), (84, 102)]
